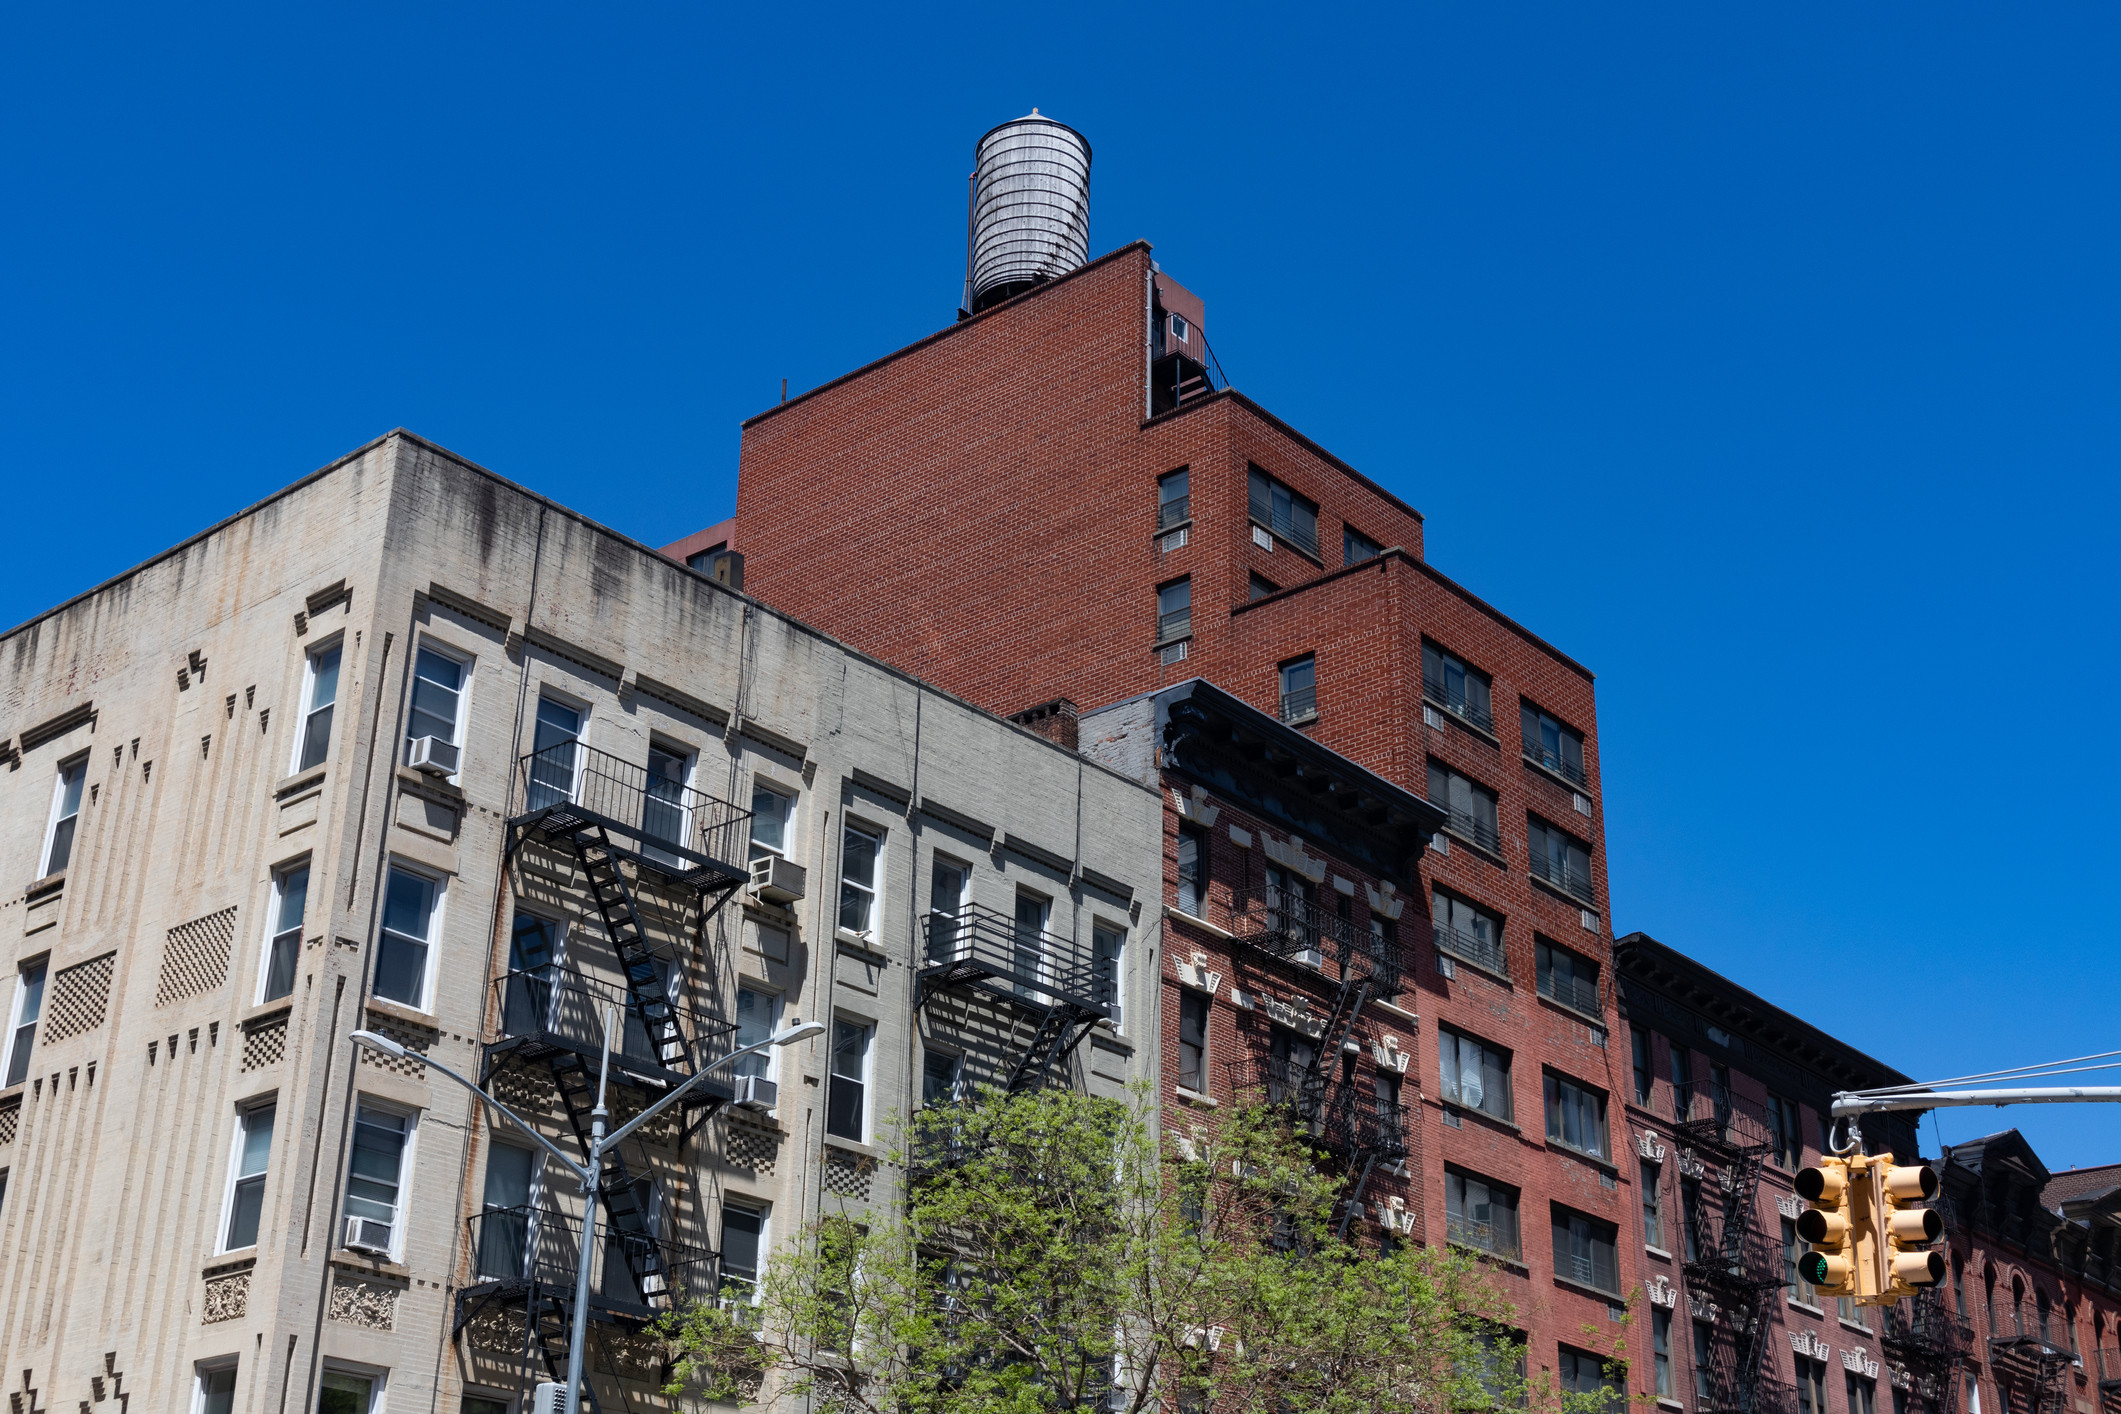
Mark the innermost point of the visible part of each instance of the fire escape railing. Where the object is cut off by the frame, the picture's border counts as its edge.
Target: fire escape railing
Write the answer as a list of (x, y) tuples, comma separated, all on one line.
[(983, 950), (521, 1247), (684, 835), (1731, 1260), (1288, 925)]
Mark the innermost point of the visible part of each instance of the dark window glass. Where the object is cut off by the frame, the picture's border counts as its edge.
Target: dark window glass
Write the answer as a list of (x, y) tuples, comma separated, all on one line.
[(1552, 745), (1682, 1081), (284, 949), (1584, 1250), (1561, 859), (1566, 977), (1581, 1372), (1661, 1347), (1193, 871), (1783, 1131), (939, 1077), (1643, 1072), (1193, 1042), (743, 1230), (1575, 1115), (1355, 547), (1471, 804), (1260, 587), (1455, 687), (1475, 1075), (1652, 1204), (1173, 504), (1299, 689), (1174, 610), (1704, 1362), (846, 1113), (246, 1198), (1282, 511), (1480, 1214), (1466, 930)]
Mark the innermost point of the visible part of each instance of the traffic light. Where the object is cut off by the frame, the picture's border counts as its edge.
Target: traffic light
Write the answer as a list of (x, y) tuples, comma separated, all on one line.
[(1909, 1267), (1829, 1225)]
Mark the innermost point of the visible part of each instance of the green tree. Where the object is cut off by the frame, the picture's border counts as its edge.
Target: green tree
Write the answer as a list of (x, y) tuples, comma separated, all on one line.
[(1052, 1247)]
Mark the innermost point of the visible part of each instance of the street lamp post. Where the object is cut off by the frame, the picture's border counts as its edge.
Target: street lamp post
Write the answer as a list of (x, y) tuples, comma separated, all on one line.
[(589, 1175)]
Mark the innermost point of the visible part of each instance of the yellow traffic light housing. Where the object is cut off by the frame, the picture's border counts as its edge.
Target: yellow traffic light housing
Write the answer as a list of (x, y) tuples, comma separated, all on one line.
[(1907, 1265), (1829, 1225)]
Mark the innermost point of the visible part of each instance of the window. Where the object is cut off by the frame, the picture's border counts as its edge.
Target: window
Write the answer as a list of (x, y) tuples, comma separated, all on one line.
[(1498, 1368), (408, 929), (505, 1211), (743, 1251), (66, 813), (1863, 1394), (375, 1178), (1193, 871), (1661, 1347), (320, 689), (1178, 328), (1258, 586), (1690, 1218), (437, 697), (1584, 1250), (246, 1176), (1480, 1214), (480, 1404), (1475, 1074), (1810, 1385), (1458, 689), (1282, 511), (1561, 859), (1173, 505), (283, 947), (1552, 745), (1193, 1041), (1468, 931), (1704, 1364), (942, 1077), (1299, 689), (1575, 1116), (1566, 977), (666, 820), (858, 852), (1581, 1372), (1032, 911), (556, 749), (1720, 1092), (1108, 947), (1174, 610), (1959, 1291), (770, 814), (1643, 1072), (22, 1023), (216, 1392), (1682, 1081), (847, 1106), (1793, 1283), (949, 884), (1653, 1204), (758, 1016), (1355, 547), (703, 560), (1471, 804), (1788, 1149), (343, 1392)]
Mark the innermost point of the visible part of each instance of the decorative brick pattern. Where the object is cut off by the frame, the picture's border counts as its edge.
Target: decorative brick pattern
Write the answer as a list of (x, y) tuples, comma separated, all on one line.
[(748, 1147), (10, 1119), (80, 995), (195, 957), (227, 1298), (265, 1045), (412, 1038), (848, 1175)]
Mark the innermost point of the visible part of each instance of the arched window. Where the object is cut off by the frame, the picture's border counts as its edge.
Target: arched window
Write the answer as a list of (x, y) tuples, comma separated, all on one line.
[(1988, 1300), (2017, 1306)]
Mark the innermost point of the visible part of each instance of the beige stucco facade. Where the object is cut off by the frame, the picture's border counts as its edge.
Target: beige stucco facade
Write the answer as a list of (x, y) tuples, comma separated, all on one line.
[(184, 695)]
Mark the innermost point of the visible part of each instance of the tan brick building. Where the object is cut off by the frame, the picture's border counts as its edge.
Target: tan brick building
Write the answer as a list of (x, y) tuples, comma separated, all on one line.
[(407, 747)]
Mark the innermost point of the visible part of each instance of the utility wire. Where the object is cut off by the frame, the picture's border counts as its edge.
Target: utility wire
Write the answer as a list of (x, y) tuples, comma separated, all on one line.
[(2022, 1072)]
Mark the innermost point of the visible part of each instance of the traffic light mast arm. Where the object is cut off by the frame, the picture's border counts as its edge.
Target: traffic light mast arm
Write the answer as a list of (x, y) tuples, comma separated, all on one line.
[(1848, 1103)]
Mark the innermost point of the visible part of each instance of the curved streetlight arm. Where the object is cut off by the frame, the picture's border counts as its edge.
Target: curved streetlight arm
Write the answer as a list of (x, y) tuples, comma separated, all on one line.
[(795, 1032), (370, 1038)]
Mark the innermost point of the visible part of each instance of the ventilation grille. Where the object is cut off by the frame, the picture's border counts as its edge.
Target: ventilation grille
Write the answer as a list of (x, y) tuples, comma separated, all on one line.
[(195, 957)]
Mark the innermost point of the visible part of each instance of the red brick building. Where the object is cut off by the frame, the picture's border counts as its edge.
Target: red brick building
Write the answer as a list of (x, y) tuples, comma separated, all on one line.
[(1058, 498)]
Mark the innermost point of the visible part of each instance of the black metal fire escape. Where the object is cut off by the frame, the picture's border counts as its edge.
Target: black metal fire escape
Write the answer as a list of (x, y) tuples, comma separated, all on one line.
[(1926, 1337), (1046, 980), (623, 829), (1730, 1261)]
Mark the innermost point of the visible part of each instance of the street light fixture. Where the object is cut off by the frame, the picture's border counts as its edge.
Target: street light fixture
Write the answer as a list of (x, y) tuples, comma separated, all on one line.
[(588, 1175)]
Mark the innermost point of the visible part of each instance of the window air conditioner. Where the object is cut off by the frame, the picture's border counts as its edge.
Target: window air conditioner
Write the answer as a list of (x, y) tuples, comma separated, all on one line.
[(368, 1235), (777, 880), (550, 1398), (434, 756), (757, 1092)]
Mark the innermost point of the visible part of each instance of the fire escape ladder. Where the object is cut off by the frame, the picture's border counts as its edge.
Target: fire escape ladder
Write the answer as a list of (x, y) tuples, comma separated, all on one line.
[(646, 982), (1347, 1004), (1735, 1266), (1060, 1030), (1354, 1201), (576, 1081), (547, 1311)]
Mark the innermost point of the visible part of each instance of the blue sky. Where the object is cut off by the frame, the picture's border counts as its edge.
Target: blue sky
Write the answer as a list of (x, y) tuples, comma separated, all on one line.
[(1766, 363)]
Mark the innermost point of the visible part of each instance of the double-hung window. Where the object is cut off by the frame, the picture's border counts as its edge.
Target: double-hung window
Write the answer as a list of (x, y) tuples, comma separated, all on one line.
[(1475, 1075), (216, 1390), (1451, 684), (1558, 748), (1299, 689), (1174, 610), (1682, 1080), (1478, 1213), (1661, 1348), (666, 806), (320, 691), (1862, 1393), (771, 812), (1355, 547), (1560, 859), (1653, 1204), (402, 953), (1280, 510), (438, 682), (27, 1007), (859, 848), (1468, 931), (348, 1392), (743, 1252), (506, 1229), (375, 1180), (1584, 1250), (1193, 1041), (758, 1016), (1567, 977), (949, 891), (1704, 1363), (1193, 871), (1783, 1130), (942, 1078), (847, 1103), (66, 814), (1471, 806), (1581, 1372), (283, 946), (556, 750), (1794, 1286), (1575, 1116), (246, 1176), (1108, 948), (1645, 1076), (1173, 505)]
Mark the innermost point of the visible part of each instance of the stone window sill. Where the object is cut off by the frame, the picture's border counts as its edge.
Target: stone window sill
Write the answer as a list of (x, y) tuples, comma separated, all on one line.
[(302, 780), (1587, 1289), (49, 884), (1194, 1097)]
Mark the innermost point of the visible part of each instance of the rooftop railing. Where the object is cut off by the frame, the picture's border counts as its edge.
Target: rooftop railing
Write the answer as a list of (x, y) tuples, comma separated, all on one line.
[(526, 1244), (683, 833), (977, 944)]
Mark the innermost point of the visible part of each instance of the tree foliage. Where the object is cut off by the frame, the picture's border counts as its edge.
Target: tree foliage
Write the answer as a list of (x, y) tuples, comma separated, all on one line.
[(1051, 1248)]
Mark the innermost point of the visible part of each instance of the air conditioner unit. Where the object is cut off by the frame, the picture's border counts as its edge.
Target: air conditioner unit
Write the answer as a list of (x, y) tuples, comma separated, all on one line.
[(433, 755), (778, 880), (368, 1235), (551, 1398), (757, 1092)]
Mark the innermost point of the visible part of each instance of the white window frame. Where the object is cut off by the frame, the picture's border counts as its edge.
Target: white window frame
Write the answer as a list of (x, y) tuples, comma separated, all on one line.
[(501, 1397), (1119, 967), (463, 660), (559, 698), (272, 929), (335, 644), (439, 881), (68, 772), (957, 1070), (875, 888), (14, 1012), (867, 1080), (406, 1160), (763, 1210), (203, 1370), (791, 798), (245, 1111), (771, 1056), (378, 1377), (942, 860)]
